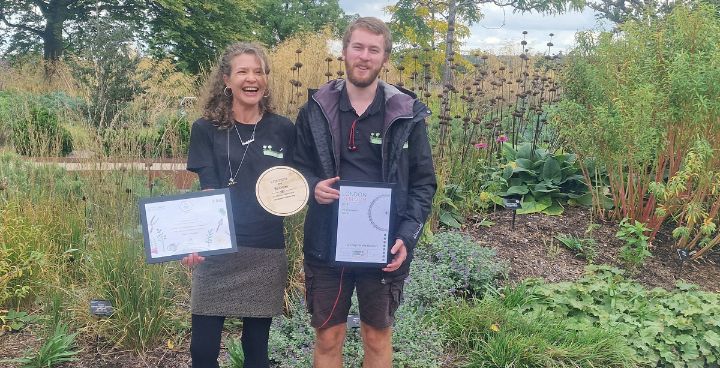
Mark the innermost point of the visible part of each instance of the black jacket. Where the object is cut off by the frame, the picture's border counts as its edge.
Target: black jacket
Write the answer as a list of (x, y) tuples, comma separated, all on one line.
[(407, 161)]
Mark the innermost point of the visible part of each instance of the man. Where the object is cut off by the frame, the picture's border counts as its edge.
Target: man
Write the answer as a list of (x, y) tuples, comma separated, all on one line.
[(361, 129)]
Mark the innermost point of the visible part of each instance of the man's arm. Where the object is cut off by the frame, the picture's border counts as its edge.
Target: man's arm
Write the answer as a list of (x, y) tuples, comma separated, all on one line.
[(421, 186), (304, 159)]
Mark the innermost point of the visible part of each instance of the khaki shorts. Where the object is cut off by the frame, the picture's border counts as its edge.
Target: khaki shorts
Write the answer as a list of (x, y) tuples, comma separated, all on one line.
[(328, 292)]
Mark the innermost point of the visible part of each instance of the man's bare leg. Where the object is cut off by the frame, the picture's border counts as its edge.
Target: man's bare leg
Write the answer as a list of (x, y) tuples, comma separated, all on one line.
[(328, 346), (377, 343)]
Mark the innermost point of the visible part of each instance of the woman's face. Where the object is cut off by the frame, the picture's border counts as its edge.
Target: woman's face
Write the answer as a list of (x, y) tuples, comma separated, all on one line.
[(247, 80)]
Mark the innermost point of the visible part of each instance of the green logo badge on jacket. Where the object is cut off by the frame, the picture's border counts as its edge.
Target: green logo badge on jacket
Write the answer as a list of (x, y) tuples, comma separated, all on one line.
[(375, 138)]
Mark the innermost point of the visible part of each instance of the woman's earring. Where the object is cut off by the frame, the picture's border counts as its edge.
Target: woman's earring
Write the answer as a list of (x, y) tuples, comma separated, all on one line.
[(267, 94), (225, 91)]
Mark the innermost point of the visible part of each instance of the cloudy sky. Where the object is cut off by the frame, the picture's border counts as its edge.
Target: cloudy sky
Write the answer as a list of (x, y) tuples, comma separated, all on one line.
[(500, 29)]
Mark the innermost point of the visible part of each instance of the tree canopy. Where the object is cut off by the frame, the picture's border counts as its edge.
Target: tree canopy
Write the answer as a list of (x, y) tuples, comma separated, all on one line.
[(190, 31), (36, 22)]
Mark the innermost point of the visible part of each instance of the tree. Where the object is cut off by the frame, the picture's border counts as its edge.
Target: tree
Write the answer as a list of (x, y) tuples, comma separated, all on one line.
[(47, 20), (425, 22), (620, 11), (279, 19), (194, 32)]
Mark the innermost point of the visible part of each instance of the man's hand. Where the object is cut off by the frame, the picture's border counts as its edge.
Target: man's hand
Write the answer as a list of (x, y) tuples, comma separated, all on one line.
[(325, 193), (192, 260), (400, 252)]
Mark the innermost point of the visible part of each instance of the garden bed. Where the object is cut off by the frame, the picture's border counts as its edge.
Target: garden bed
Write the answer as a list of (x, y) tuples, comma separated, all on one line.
[(532, 250)]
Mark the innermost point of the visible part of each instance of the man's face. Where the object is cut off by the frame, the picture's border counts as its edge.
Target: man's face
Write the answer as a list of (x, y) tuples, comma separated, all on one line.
[(364, 57)]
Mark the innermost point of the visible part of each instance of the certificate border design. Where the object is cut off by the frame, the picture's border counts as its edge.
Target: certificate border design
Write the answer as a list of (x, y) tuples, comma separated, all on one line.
[(225, 192), (391, 231)]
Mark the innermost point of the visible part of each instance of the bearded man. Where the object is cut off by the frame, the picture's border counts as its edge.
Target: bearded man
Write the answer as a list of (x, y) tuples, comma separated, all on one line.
[(362, 129)]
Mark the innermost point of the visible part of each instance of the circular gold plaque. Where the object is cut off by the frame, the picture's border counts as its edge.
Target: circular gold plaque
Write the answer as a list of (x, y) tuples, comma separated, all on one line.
[(282, 190)]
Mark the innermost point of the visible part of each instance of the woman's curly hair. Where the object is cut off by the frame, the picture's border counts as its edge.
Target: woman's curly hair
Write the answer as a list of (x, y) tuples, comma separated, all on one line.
[(218, 106)]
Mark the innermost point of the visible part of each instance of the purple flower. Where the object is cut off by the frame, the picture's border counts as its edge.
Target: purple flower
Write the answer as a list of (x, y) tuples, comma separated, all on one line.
[(481, 145), (501, 138)]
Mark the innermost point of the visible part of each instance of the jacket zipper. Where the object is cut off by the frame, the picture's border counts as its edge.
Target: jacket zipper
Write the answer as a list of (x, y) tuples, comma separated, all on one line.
[(382, 148)]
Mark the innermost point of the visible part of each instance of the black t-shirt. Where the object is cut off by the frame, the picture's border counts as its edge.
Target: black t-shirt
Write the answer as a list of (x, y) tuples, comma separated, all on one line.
[(365, 162), (208, 157)]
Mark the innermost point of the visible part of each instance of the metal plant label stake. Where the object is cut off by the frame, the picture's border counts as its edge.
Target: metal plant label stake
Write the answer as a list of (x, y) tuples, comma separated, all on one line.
[(513, 204)]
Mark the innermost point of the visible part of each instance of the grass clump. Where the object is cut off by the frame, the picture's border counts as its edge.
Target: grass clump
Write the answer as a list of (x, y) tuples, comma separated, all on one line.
[(487, 333)]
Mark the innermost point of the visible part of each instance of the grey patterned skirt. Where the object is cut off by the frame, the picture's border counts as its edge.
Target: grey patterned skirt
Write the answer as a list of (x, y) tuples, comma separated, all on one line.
[(249, 283)]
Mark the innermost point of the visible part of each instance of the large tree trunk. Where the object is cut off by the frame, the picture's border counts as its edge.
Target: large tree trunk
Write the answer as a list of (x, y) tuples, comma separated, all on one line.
[(55, 15)]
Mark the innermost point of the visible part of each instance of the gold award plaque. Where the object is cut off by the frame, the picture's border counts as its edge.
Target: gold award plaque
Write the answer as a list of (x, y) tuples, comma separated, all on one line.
[(282, 191)]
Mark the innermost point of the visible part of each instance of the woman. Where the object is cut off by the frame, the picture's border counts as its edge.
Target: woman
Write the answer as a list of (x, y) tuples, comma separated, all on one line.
[(237, 139)]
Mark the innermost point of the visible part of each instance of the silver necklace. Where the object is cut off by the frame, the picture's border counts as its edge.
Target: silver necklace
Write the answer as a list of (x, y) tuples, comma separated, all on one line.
[(244, 143)]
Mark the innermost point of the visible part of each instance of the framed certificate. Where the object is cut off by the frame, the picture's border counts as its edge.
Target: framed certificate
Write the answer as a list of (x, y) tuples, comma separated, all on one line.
[(177, 225), (364, 227)]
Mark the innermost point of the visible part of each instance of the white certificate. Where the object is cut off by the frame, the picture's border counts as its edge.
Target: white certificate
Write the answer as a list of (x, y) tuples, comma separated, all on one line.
[(363, 223), (175, 226)]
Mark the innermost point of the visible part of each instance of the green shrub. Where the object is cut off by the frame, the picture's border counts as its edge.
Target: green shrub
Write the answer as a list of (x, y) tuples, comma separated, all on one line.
[(417, 342), (140, 293), (489, 333), (23, 260), (665, 328), (544, 180), (473, 269), (236, 356), (585, 247), (37, 132), (635, 250), (58, 348)]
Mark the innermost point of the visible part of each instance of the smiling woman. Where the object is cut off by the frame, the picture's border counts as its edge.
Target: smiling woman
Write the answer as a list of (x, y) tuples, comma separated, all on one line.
[(236, 140)]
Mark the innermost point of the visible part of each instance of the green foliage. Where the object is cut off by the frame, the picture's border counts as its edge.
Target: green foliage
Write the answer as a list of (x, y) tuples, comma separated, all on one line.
[(14, 321), (544, 180), (585, 247), (665, 328), (39, 132), (635, 250), (139, 293), (33, 124), (22, 256), (57, 349), (472, 268), (692, 199), (195, 32), (280, 20), (637, 102), (170, 138), (416, 340), (470, 190), (490, 333), (236, 357), (452, 265), (106, 67), (29, 22)]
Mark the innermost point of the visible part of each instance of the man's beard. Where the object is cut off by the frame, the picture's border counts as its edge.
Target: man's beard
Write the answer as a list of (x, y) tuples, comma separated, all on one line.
[(362, 83)]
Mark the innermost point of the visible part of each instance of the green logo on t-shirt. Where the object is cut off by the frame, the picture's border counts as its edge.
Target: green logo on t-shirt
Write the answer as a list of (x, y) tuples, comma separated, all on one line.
[(375, 138), (268, 151)]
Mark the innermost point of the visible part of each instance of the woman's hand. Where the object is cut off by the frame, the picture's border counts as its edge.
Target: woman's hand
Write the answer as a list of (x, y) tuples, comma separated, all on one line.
[(192, 260)]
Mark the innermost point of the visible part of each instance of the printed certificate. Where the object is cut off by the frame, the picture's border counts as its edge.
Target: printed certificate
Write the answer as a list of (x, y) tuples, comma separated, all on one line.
[(175, 226), (364, 233)]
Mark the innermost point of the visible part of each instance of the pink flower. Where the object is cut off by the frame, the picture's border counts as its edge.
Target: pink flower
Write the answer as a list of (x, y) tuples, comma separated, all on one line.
[(481, 145), (501, 138)]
